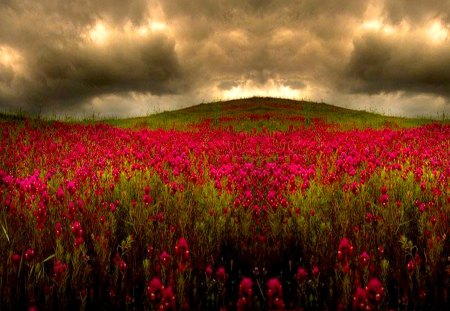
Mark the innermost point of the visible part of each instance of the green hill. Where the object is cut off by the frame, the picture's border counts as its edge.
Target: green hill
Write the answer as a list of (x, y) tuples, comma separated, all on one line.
[(253, 113), (271, 113)]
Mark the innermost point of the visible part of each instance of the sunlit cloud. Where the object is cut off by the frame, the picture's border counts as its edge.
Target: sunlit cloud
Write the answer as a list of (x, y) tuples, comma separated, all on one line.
[(377, 25), (437, 32), (10, 57), (270, 89), (151, 27), (7, 55), (99, 33)]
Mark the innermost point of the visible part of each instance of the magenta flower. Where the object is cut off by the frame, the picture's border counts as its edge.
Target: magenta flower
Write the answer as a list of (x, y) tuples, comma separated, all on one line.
[(375, 291), (59, 268), (275, 294), (165, 258), (208, 270), (274, 288), (221, 274), (15, 258), (29, 254), (360, 301), (182, 248), (345, 249), (364, 259), (315, 271), (58, 229), (246, 287), (168, 299), (301, 275), (154, 289)]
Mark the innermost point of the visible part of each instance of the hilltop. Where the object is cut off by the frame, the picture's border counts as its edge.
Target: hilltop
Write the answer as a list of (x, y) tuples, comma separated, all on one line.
[(271, 113), (251, 113)]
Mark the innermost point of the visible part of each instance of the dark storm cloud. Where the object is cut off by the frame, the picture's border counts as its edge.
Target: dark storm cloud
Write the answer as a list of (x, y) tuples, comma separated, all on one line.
[(145, 66), (84, 53), (261, 38), (381, 63), (61, 65), (416, 11)]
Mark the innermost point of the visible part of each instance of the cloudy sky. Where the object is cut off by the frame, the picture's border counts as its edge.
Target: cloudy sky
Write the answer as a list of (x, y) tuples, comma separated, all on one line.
[(124, 58)]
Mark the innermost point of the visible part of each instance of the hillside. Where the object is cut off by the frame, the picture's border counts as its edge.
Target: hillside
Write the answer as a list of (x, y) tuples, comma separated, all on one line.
[(251, 113), (271, 113)]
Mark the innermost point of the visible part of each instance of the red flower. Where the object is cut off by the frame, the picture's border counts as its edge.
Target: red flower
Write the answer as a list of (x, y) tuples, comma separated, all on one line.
[(315, 271), (123, 266), (15, 258), (154, 289), (245, 294), (29, 254), (168, 299), (411, 265), (301, 275), (221, 274), (182, 248), (375, 291), (274, 288), (360, 301), (208, 270), (275, 294), (60, 194), (71, 188), (246, 287), (58, 229), (364, 259), (59, 268), (345, 249), (165, 258)]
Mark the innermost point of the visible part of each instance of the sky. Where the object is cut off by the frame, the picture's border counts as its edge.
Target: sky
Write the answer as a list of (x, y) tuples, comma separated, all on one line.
[(127, 58)]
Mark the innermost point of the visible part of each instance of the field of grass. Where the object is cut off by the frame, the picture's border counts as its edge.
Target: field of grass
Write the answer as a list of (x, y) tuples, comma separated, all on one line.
[(255, 204)]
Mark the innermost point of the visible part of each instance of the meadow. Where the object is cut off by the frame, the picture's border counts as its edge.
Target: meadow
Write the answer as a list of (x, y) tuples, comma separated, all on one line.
[(257, 204)]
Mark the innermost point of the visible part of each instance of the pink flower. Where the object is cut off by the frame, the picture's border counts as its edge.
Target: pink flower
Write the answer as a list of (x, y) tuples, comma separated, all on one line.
[(345, 249), (274, 288), (246, 287), (411, 266), (15, 258), (60, 194), (182, 248), (71, 188), (301, 275), (360, 301), (364, 258), (345, 244), (59, 269), (58, 229), (221, 274), (165, 258), (29, 254), (168, 299), (208, 270), (315, 271), (76, 229), (154, 289), (123, 266), (374, 290), (275, 294)]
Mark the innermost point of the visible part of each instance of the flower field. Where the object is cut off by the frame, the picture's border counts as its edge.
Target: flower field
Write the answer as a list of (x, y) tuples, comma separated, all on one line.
[(313, 216)]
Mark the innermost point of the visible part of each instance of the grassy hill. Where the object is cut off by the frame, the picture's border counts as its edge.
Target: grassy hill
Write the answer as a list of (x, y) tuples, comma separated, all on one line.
[(255, 112), (271, 113)]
